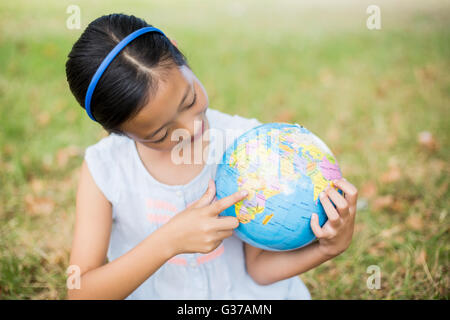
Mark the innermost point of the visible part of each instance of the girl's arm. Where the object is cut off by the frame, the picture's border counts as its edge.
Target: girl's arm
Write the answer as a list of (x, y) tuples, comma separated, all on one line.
[(117, 279), (267, 267), (196, 229)]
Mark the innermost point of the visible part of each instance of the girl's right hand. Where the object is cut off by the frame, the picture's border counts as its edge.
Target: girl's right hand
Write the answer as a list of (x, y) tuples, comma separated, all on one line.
[(199, 228)]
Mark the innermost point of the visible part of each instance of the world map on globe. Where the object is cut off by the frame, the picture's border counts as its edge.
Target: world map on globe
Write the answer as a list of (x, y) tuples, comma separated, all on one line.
[(284, 167)]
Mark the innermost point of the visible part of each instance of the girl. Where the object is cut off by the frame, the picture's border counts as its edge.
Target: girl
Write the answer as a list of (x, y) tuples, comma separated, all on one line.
[(146, 228)]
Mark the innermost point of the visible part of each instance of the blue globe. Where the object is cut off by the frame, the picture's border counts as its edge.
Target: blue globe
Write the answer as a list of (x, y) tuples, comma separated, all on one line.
[(284, 167)]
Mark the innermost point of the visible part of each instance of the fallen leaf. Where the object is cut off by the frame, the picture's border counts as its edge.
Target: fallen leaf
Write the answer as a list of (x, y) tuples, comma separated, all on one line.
[(381, 245), (399, 239), (39, 206), (427, 140), (426, 73), (37, 185), (285, 116), (26, 160), (421, 257), (64, 155), (369, 189), (43, 119), (395, 258), (383, 202), (383, 87), (375, 251), (415, 222), (333, 273), (359, 227), (398, 206), (8, 149), (387, 233), (9, 167), (392, 175)]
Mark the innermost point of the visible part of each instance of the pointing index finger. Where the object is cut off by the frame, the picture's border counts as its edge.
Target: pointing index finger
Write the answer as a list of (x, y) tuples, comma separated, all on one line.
[(224, 203)]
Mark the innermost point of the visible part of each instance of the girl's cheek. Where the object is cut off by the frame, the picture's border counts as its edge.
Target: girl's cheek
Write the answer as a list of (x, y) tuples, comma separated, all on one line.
[(203, 101)]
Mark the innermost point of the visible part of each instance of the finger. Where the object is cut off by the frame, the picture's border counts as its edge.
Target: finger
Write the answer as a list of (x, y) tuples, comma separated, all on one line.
[(350, 191), (316, 229), (207, 197), (223, 234), (224, 203), (339, 201), (333, 216), (226, 223)]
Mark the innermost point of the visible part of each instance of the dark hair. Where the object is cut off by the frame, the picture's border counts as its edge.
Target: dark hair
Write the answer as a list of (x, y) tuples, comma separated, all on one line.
[(124, 88)]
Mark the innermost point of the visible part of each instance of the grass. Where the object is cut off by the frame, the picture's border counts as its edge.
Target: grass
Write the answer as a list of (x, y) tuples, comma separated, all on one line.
[(368, 94)]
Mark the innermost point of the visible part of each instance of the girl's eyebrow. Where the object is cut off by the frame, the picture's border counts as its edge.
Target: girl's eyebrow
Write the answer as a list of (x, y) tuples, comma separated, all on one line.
[(186, 92)]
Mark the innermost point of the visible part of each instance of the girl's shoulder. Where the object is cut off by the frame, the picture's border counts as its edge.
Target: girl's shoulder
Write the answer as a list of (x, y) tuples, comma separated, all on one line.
[(104, 160), (108, 148)]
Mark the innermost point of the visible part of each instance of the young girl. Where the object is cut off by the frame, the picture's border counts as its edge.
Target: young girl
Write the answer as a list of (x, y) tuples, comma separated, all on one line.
[(148, 227)]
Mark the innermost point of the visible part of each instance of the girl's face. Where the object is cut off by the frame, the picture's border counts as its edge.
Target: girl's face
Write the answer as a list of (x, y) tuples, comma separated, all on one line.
[(179, 102)]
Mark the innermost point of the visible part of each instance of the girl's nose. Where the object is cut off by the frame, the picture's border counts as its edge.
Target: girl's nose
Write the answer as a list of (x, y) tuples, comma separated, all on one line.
[(193, 126)]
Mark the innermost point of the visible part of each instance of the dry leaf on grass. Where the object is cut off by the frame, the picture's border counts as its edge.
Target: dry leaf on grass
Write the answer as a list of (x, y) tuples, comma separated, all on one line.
[(383, 202), (368, 189), (65, 154), (37, 185), (39, 206), (415, 222), (392, 175), (421, 257), (399, 239), (378, 248), (398, 206), (8, 149), (427, 141), (359, 227), (43, 119), (285, 116), (387, 233)]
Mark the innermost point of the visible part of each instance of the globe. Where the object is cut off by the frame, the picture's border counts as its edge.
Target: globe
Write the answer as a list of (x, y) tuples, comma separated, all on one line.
[(284, 167)]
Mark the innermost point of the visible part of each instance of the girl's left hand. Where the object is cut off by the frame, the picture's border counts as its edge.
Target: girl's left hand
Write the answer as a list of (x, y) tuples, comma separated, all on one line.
[(336, 234)]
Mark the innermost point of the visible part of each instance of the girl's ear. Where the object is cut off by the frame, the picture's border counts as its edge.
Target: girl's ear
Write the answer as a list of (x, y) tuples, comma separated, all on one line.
[(174, 43)]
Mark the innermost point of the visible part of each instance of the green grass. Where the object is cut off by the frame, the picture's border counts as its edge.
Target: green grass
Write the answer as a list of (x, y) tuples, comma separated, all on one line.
[(368, 94)]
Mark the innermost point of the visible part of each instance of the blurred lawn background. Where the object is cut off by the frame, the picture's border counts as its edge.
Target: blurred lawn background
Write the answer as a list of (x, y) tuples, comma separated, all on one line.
[(379, 99)]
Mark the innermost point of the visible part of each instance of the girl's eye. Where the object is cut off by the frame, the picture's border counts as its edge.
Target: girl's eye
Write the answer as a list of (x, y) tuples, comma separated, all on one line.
[(162, 139), (187, 107), (193, 101)]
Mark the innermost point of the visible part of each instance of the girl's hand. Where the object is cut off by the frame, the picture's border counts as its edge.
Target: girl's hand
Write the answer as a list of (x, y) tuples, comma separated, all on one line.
[(336, 234), (198, 228)]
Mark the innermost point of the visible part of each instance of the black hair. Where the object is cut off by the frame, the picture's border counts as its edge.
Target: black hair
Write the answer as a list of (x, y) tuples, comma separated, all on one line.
[(125, 86)]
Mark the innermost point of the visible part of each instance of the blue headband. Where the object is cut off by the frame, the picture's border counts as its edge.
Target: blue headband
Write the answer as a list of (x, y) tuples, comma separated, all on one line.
[(110, 57)]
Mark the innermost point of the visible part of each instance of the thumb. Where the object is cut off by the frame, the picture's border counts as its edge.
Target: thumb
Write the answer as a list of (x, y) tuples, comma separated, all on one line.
[(207, 197)]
